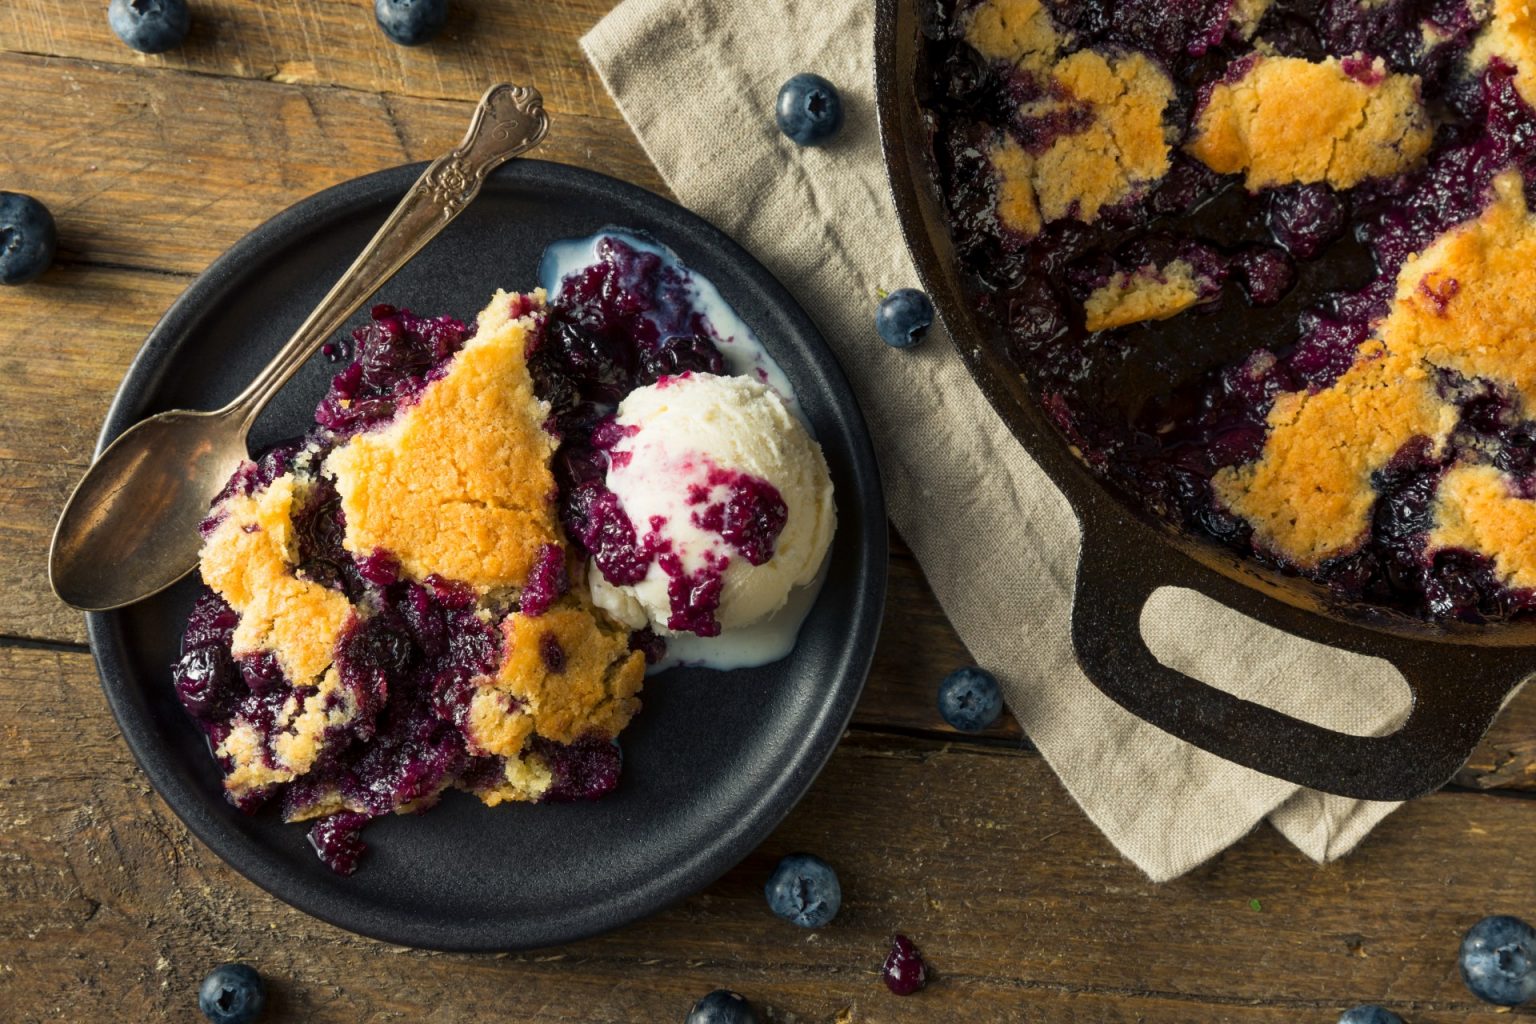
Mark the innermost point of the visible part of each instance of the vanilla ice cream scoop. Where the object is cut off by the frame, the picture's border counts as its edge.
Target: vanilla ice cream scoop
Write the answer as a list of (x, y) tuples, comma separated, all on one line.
[(729, 501)]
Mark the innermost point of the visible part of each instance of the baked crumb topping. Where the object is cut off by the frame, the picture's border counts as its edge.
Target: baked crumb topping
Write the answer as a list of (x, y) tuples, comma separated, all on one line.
[(1285, 120), (1147, 293), (571, 670), (1246, 15), (1510, 35), (249, 560), (1464, 305), (1018, 31), (459, 484), (1476, 509), (1017, 207), (1309, 495), (447, 508), (1108, 140), (1125, 144)]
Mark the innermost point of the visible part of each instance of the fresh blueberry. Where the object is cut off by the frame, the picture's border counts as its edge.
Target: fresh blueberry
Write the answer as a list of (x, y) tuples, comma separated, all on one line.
[(232, 994), (803, 890), (904, 317), (809, 110), (1369, 1013), (1497, 957), (27, 238), (722, 1007), (904, 971), (150, 26), (969, 699), (411, 22)]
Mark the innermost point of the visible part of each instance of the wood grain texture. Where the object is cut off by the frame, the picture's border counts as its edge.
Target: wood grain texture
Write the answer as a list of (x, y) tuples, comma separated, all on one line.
[(1022, 907), (109, 910), (337, 43), (180, 166)]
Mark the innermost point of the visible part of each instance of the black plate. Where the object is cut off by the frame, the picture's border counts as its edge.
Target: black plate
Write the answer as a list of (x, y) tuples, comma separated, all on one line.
[(713, 762)]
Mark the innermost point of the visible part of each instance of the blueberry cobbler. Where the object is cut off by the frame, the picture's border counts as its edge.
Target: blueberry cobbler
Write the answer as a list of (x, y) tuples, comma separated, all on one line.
[(1269, 266), (400, 602)]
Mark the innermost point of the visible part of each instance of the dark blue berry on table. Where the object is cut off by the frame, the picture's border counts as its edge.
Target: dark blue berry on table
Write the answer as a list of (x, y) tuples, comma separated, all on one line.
[(150, 26), (903, 317), (27, 238), (232, 994), (1369, 1013), (804, 890), (809, 110), (904, 971), (1497, 957), (722, 1006), (969, 699), (411, 22)]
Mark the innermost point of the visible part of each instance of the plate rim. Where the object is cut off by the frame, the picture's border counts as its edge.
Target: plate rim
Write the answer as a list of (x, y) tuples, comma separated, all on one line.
[(801, 767)]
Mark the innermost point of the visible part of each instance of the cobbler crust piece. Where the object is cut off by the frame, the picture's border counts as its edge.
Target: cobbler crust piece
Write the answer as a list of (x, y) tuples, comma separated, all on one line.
[(1019, 31), (1463, 305), (1147, 293), (248, 560), (1511, 36), (390, 612), (459, 484), (1477, 509), (1284, 120), (1093, 121), (570, 670)]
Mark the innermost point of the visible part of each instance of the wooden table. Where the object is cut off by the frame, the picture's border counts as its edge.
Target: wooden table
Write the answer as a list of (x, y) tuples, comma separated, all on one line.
[(109, 910)]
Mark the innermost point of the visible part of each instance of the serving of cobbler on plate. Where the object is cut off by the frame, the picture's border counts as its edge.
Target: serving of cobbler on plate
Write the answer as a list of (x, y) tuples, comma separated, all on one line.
[(1270, 268), (401, 601)]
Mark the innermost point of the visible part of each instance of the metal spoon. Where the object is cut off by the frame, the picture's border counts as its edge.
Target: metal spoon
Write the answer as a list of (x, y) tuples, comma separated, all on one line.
[(129, 530)]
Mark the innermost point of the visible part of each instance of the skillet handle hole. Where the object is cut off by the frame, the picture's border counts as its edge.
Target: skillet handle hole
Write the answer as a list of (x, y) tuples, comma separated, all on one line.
[(1340, 690)]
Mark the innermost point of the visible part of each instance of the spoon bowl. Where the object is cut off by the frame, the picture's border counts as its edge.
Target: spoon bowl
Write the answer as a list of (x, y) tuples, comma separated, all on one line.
[(130, 528)]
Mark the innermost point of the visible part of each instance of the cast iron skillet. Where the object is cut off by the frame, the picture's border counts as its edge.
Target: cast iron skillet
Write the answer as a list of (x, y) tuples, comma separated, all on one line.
[(1459, 675), (712, 763)]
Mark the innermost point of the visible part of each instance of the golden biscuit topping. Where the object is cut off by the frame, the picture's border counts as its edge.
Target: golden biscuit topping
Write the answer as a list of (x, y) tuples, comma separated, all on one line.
[(1309, 495), (1125, 146), (1475, 509), (1510, 35), (249, 560), (1287, 120), (1020, 32), (459, 483), (1114, 142), (571, 671), (1466, 304), (1147, 293)]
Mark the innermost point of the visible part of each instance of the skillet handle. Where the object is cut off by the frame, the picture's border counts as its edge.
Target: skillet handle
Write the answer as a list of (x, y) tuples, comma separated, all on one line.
[(1443, 728)]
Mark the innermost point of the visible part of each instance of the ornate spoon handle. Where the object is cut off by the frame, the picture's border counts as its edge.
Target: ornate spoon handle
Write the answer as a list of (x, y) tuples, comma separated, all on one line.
[(509, 120)]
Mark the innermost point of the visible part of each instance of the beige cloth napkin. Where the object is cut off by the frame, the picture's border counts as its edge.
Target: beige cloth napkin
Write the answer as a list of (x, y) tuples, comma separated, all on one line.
[(697, 80)]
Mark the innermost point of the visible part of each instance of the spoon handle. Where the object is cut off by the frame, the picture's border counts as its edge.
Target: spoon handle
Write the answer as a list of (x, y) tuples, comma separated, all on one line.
[(509, 120)]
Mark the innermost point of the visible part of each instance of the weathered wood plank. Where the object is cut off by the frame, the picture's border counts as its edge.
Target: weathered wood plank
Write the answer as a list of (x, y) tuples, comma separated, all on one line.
[(1022, 907), (335, 42), (177, 167), (1506, 759), (70, 337)]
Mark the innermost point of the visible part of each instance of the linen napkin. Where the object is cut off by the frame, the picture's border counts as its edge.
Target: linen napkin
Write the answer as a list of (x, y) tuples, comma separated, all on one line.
[(697, 80)]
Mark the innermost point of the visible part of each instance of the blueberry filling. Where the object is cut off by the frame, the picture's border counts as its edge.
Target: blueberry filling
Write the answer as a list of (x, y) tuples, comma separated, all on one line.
[(409, 664), (625, 322), (1298, 275), (396, 355)]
